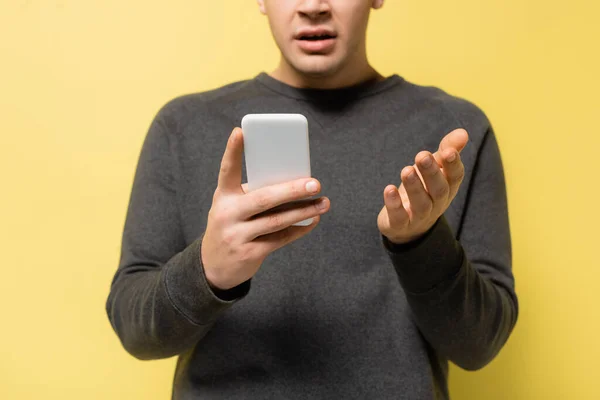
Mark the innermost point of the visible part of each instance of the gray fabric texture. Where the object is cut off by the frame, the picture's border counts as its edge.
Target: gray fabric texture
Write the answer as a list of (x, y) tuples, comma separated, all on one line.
[(341, 312)]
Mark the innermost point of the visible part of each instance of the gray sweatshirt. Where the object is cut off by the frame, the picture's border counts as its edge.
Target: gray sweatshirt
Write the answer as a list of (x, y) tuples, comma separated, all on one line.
[(341, 312)]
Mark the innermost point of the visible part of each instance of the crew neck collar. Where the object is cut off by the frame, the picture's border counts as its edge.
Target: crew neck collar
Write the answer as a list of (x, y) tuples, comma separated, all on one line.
[(359, 90)]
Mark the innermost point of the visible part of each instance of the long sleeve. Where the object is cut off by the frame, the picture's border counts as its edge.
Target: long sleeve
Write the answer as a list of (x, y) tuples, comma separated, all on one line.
[(461, 289), (160, 303)]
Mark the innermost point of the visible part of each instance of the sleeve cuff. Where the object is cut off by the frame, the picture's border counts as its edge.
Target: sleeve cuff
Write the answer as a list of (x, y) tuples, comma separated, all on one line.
[(189, 291), (426, 262)]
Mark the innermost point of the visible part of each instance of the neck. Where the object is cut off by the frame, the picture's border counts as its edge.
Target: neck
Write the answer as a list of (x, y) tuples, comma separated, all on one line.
[(353, 74)]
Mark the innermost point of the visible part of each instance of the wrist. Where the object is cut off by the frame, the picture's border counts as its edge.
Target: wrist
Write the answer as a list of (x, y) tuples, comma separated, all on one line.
[(409, 242), (214, 282), (404, 240), (227, 292)]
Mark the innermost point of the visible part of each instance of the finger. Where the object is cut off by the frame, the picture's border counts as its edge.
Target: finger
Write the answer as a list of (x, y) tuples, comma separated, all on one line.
[(230, 174), (457, 139), (245, 187), (274, 221), (435, 181), (397, 214), (454, 170), (419, 174), (267, 244), (420, 202), (267, 197)]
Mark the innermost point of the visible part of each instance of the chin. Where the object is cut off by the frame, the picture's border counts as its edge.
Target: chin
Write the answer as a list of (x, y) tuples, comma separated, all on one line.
[(317, 66)]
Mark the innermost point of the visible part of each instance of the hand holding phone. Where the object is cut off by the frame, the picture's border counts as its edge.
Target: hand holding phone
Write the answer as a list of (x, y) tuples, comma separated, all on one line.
[(242, 228), (276, 150)]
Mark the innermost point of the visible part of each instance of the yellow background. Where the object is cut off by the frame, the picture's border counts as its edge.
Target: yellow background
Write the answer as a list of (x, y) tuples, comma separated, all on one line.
[(80, 81)]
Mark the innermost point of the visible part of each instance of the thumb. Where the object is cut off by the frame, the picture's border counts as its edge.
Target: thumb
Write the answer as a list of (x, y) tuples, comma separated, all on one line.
[(230, 173)]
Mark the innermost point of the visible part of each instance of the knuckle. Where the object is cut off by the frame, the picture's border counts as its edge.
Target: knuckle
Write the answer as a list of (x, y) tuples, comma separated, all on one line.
[(429, 208), (222, 212), (428, 205), (224, 170), (430, 172), (274, 221), (217, 216), (458, 175), (458, 164), (424, 207), (261, 201), (296, 190), (439, 192), (229, 236)]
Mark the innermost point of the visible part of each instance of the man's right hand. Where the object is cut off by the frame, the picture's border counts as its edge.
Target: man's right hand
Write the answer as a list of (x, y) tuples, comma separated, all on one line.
[(241, 231)]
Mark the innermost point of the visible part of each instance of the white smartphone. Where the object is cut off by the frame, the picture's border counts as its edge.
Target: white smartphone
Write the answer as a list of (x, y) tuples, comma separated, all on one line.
[(276, 150)]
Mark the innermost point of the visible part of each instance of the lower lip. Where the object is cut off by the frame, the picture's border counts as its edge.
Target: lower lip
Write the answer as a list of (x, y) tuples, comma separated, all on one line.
[(316, 46)]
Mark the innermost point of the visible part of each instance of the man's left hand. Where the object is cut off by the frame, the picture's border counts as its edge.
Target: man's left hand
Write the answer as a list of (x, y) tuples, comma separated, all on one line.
[(428, 187)]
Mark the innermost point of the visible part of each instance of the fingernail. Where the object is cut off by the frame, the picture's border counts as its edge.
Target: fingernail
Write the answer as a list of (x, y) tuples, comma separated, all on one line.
[(412, 176), (321, 204), (426, 162), (311, 186), (452, 157)]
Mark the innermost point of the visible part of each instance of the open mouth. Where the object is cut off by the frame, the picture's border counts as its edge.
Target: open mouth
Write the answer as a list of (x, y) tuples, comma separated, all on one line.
[(314, 38)]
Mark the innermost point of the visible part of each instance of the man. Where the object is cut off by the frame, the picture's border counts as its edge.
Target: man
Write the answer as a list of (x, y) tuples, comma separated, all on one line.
[(395, 282)]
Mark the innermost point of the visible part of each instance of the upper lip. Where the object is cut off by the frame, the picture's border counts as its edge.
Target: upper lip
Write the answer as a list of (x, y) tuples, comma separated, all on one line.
[(314, 31)]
